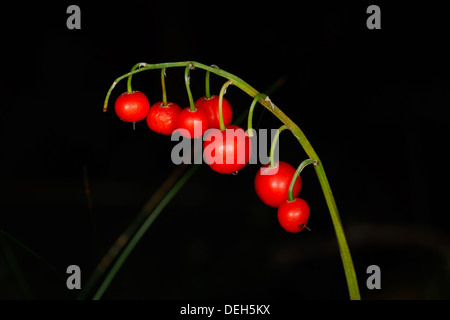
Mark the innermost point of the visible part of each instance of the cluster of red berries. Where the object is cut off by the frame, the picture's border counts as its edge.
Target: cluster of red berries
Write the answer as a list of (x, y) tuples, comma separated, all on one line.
[(271, 182), (165, 119), (272, 187)]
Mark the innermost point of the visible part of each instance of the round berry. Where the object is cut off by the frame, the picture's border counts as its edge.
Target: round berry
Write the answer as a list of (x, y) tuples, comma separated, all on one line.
[(194, 123), (293, 215), (132, 107), (163, 118), (227, 151), (272, 183)]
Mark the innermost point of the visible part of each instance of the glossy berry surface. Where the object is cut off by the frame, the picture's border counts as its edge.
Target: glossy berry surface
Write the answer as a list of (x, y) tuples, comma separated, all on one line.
[(163, 119), (211, 107), (132, 107), (227, 151), (272, 183), (194, 123), (293, 215)]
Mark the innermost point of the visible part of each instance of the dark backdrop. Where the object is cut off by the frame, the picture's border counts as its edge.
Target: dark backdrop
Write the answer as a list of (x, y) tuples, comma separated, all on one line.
[(371, 102)]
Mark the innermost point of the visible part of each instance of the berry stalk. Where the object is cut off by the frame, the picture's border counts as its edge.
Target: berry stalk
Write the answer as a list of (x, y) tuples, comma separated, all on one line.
[(250, 113), (129, 88), (274, 145), (222, 92), (296, 174), (163, 86), (188, 88), (207, 91)]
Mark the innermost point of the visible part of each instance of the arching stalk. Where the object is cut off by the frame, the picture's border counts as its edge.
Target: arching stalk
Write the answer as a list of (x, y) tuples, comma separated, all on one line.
[(274, 145), (296, 131), (222, 92)]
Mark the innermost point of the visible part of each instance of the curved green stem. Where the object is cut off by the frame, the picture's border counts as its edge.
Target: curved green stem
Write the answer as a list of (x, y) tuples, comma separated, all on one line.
[(250, 113), (222, 92), (298, 133), (143, 228), (274, 145), (163, 86), (296, 174), (188, 88), (207, 91), (137, 65)]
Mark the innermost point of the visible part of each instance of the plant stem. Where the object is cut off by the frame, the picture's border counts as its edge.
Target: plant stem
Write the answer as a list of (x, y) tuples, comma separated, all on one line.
[(207, 91), (222, 92), (344, 250), (142, 229), (296, 174), (163, 86), (188, 89), (274, 145), (61, 275), (123, 240), (250, 113), (298, 133), (16, 268), (129, 88)]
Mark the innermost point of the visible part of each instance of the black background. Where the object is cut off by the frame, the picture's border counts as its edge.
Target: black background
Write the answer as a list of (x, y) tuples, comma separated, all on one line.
[(371, 102)]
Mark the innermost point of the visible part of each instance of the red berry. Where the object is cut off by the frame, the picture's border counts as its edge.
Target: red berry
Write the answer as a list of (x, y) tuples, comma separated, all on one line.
[(272, 183), (227, 151), (163, 119), (132, 107), (195, 122), (211, 107), (293, 215)]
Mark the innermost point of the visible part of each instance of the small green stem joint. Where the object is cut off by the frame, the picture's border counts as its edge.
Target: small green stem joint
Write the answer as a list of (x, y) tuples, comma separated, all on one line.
[(297, 173), (222, 92)]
